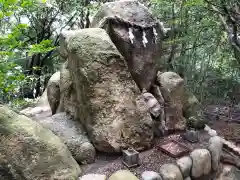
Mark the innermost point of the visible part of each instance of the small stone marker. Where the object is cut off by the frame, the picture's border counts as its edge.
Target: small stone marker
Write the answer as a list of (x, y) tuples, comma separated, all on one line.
[(191, 136), (130, 158)]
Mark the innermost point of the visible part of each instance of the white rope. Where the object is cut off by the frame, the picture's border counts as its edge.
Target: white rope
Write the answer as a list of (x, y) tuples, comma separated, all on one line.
[(130, 34), (144, 41)]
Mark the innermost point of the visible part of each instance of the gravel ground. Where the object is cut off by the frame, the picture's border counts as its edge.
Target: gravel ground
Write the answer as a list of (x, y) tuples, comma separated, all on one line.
[(150, 160), (153, 159)]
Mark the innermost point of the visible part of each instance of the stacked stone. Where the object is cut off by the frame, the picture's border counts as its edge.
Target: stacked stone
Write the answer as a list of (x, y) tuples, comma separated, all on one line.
[(199, 164)]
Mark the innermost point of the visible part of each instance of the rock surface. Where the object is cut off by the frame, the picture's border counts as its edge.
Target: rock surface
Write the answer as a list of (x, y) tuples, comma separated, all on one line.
[(201, 162), (215, 148), (191, 136), (229, 173), (53, 92), (73, 135), (185, 165), (172, 88), (170, 172), (151, 175), (106, 92), (93, 177), (123, 175), (141, 57), (28, 151)]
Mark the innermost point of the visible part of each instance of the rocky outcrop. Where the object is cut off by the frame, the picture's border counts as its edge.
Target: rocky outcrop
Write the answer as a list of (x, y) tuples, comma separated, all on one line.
[(105, 92), (110, 83), (137, 36), (28, 151), (73, 135)]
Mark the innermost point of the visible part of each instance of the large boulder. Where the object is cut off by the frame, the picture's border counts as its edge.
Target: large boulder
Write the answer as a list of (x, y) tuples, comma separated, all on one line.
[(73, 135), (136, 34), (28, 151), (105, 92)]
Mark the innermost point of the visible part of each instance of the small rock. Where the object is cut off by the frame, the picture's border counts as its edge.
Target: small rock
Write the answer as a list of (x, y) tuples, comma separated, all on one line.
[(170, 172), (191, 136), (188, 178), (123, 175), (210, 131), (185, 164), (93, 177), (201, 162), (229, 173), (215, 148), (151, 175)]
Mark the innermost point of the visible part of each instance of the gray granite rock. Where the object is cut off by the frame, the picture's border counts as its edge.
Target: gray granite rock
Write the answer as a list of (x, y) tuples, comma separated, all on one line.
[(185, 164), (73, 134), (123, 175), (215, 148), (201, 162), (170, 172), (191, 136), (151, 175), (229, 173)]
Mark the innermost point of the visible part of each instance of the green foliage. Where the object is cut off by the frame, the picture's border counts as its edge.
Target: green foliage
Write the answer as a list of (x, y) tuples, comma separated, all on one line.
[(204, 55), (14, 43), (11, 77), (43, 47)]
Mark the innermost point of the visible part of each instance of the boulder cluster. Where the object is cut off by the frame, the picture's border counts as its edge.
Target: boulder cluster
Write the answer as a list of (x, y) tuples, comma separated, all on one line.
[(109, 95)]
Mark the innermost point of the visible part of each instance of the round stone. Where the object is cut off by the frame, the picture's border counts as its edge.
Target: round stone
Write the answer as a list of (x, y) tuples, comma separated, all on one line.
[(185, 164), (201, 164)]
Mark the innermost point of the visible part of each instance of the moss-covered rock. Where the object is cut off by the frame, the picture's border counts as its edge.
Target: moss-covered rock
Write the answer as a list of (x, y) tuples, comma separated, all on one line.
[(105, 92), (28, 151)]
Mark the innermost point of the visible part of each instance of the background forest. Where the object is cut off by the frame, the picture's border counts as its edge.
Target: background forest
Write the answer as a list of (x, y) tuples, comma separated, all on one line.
[(203, 45)]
